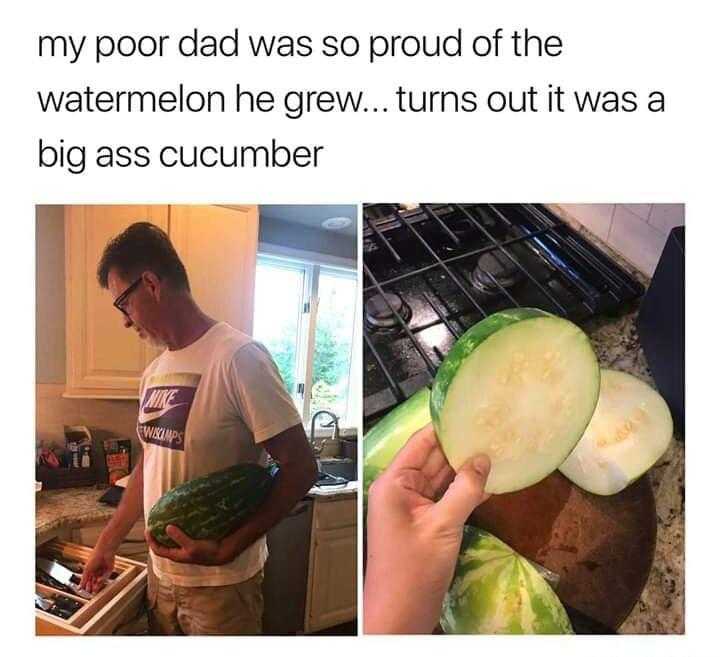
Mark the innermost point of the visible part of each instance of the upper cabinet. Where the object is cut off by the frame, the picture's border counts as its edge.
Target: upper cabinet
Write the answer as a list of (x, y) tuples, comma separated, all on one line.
[(218, 247), (104, 359)]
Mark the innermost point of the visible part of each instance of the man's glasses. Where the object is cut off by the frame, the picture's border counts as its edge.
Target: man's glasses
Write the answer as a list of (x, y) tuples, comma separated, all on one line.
[(120, 302)]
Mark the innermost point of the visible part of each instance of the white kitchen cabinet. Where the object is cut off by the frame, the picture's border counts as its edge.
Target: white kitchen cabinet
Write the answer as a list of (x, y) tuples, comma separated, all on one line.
[(104, 359), (218, 247), (332, 576)]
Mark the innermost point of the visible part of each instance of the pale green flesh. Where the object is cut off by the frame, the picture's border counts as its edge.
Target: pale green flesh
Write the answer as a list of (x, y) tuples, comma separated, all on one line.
[(629, 431), (523, 397), (496, 591), (391, 433)]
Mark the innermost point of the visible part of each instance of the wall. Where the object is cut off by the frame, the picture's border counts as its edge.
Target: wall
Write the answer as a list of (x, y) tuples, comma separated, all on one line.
[(49, 294), (637, 231), (106, 418), (304, 238)]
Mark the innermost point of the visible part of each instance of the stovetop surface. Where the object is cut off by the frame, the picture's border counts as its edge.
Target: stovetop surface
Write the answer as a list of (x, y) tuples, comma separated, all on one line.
[(431, 272)]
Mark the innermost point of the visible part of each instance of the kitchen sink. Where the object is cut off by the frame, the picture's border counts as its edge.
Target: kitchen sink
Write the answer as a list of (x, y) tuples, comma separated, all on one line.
[(346, 468)]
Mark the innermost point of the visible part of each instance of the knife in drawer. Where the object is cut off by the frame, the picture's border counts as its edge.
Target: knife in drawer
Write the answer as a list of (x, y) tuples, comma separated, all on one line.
[(63, 575), (59, 605)]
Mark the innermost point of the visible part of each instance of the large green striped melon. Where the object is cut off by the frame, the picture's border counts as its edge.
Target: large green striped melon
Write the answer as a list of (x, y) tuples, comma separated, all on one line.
[(519, 386), (391, 433), (213, 506), (496, 591)]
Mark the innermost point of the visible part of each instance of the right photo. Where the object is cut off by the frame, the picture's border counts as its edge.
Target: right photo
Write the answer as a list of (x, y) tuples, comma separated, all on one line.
[(523, 402)]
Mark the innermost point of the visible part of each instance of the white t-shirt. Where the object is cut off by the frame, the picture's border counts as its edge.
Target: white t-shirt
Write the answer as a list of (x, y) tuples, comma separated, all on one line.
[(203, 408)]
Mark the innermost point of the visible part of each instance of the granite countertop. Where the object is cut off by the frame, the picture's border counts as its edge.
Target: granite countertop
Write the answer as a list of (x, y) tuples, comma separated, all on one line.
[(660, 609), (68, 508)]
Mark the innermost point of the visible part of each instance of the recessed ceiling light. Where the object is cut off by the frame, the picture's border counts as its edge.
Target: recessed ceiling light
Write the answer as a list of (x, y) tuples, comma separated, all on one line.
[(336, 223)]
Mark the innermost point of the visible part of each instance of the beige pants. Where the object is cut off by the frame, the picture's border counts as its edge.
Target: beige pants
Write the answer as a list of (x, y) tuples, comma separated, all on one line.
[(232, 609)]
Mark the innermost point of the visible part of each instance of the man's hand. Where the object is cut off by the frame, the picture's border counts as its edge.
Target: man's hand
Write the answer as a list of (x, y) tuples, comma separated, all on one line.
[(204, 553), (291, 451), (98, 568)]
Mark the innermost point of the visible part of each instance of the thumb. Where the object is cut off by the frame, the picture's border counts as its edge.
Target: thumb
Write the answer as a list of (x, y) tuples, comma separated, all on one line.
[(465, 492)]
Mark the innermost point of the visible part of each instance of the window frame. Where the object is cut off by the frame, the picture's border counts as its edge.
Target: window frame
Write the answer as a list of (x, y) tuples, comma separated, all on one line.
[(300, 344), (305, 341)]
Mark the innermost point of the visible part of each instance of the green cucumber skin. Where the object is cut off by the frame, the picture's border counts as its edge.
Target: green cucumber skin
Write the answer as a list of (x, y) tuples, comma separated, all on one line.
[(212, 506), (496, 591), (465, 345), (390, 434)]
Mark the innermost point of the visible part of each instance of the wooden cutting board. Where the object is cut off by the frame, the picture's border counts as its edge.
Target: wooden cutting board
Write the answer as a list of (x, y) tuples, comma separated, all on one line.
[(602, 547)]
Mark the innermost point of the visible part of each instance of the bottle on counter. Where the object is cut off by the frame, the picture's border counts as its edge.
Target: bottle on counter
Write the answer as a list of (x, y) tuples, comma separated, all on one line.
[(74, 455), (85, 461)]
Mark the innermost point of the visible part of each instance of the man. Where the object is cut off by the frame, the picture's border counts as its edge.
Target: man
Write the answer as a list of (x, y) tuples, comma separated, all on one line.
[(212, 399)]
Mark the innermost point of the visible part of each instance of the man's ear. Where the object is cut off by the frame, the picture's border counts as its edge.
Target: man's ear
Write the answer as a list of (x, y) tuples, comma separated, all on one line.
[(152, 283)]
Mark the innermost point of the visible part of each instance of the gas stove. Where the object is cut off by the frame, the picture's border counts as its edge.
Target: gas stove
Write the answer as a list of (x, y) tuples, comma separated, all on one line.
[(431, 271)]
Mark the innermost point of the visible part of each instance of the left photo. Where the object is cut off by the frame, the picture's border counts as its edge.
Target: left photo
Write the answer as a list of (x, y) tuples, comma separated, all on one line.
[(198, 392)]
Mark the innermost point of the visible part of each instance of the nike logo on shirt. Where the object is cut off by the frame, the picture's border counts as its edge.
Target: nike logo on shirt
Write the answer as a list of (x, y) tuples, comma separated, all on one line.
[(148, 416)]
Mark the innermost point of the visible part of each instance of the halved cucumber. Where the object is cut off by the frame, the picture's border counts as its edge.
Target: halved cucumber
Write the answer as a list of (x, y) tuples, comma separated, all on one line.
[(519, 386), (391, 433), (629, 431)]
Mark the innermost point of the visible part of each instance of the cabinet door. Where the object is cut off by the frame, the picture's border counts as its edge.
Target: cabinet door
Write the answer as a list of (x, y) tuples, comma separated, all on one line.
[(218, 246), (332, 594), (104, 359)]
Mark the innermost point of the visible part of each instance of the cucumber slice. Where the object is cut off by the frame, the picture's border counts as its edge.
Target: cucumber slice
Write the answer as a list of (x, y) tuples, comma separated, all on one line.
[(391, 433), (629, 431), (519, 386)]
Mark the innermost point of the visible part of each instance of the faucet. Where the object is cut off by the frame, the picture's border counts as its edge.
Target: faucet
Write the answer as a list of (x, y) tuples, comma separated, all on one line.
[(317, 450)]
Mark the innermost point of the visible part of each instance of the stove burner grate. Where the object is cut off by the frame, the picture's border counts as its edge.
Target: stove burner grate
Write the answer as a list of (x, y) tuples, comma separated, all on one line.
[(455, 264)]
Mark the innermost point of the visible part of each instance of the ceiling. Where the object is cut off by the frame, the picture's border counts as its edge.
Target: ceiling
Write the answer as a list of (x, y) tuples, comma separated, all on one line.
[(312, 215)]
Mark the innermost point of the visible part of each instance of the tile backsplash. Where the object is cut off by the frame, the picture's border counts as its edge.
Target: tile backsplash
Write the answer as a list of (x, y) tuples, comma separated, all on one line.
[(637, 231)]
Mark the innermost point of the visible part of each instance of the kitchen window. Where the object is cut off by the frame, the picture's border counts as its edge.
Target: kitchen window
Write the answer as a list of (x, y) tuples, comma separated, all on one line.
[(305, 315)]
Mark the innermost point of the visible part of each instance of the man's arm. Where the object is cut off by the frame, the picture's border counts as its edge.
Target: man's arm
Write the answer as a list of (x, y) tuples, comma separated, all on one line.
[(298, 472), (129, 510)]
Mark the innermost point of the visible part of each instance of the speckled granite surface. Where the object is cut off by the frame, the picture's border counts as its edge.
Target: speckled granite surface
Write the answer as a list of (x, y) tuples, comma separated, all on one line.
[(661, 608), (67, 508)]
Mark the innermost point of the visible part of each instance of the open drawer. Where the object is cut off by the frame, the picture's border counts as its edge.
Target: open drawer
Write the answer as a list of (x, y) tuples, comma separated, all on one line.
[(116, 604)]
